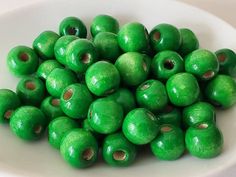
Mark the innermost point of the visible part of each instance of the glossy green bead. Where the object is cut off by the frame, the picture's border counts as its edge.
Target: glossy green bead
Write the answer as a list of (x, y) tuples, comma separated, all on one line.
[(133, 37), (152, 95), (44, 44), (73, 26), (189, 41), (80, 54), (204, 140), (46, 68), (75, 101), (197, 113), (31, 91), (79, 148), (221, 91), (22, 60), (104, 23), (227, 61), (57, 128), (51, 108), (169, 144), (165, 37), (58, 80), (28, 123), (105, 116), (133, 68), (118, 151), (166, 63), (202, 63), (140, 126), (182, 89), (107, 46), (61, 46), (9, 101), (102, 78)]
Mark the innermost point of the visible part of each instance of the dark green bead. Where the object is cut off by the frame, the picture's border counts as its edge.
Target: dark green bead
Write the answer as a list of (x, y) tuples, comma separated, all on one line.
[(204, 140), (182, 89), (75, 101), (31, 91), (44, 44), (104, 23), (169, 144), (28, 123), (22, 60), (166, 63), (58, 80), (46, 68), (189, 41), (227, 61), (79, 148), (51, 108), (133, 68), (165, 37), (102, 78), (80, 54), (202, 63), (197, 113), (152, 95), (72, 26), (107, 46), (105, 116), (133, 37), (9, 101), (140, 126), (61, 46), (58, 128), (118, 151), (221, 91)]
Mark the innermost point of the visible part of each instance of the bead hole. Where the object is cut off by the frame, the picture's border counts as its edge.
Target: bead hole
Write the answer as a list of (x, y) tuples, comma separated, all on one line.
[(221, 57), (145, 86), (202, 126), (110, 91), (150, 115), (71, 30), (144, 66), (88, 154), (30, 85), (68, 94), (208, 74), (119, 155), (156, 36), (166, 129), (55, 102), (85, 58), (169, 64), (169, 108), (8, 114), (24, 57), (38, 129)]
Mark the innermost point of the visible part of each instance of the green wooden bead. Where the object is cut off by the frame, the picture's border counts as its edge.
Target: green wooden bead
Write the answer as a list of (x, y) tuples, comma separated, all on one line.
[(58, 128), (202, 63), (165, 37), (104, 23), (102, 78), (44, 44), (169, 144), (140, 126), (133, 68), (46, 68), (61, 46), (133, 37), (221, 91), (105, 116), (80, 54), (189, 41), (182, 89), (107, 46), (227, 61), (166, 63), (152, 95), (204, 140), (28, 123), (75, 101), (22, 60), (79, 148), (31, 91), (73, 26), (118, 151), (9, 101), (58, 80)]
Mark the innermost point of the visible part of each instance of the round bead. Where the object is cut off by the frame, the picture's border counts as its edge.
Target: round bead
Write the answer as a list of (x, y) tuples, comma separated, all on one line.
[(22, 60), (140, 126), (102, 78)]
